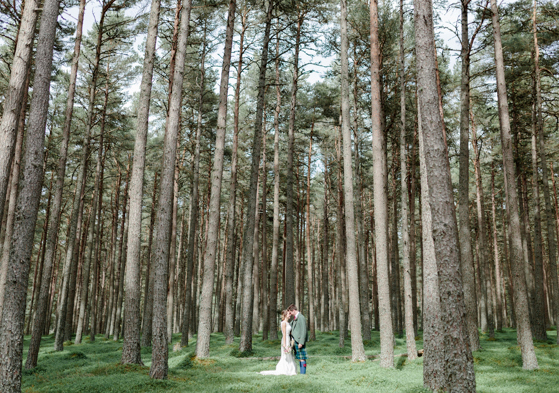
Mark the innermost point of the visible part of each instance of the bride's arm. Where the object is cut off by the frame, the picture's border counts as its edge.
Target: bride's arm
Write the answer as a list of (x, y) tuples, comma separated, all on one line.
[(283, 337)]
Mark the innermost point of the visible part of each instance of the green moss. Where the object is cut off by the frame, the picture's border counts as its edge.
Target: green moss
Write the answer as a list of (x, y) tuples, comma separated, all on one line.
[(96, 368)]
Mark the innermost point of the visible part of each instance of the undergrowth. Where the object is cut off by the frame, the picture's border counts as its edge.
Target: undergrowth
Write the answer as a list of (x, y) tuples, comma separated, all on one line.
[(95, 367)]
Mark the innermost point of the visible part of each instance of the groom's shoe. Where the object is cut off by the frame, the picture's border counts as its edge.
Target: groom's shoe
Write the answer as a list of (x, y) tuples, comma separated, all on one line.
[(303, 367)]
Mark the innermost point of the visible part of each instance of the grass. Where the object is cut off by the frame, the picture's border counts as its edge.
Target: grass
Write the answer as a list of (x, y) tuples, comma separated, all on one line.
[(94, 367)]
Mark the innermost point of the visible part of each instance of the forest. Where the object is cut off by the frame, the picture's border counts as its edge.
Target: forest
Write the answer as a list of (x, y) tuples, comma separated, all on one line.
[(174, 174)]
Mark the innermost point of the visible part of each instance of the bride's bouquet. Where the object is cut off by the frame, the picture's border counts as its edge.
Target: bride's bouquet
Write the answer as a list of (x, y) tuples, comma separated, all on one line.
[(288, 348)]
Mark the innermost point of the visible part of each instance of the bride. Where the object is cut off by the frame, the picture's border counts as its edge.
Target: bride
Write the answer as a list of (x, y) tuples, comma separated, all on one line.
[(286, 365)]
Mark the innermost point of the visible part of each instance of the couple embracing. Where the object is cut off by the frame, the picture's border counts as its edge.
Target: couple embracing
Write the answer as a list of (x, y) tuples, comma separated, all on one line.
[(293, 342)]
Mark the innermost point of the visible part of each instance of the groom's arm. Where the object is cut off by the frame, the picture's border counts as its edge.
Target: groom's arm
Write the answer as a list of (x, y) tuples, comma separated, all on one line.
[(299, 331)]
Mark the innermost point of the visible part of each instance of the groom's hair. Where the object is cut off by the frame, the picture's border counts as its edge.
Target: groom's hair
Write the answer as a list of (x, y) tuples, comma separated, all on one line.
[(292, 308)]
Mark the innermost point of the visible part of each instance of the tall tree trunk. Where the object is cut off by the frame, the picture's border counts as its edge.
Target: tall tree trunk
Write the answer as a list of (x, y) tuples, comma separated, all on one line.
[(265, 291), (290, 287), (131, 345), (361, 244), (312, 333), (340, 255), (325, 299), (408, 298), (434, 377), (160, 355), (59, 337), (246, 323), (12, 196), (231, 216), (380, 198), (31, 180), (194, 207), (459, 365), (173, 251), (529, 360), (148, 297), (276, 223), (357, 349), (52, 235), (551, 230), (204, 325), (466, 257), (539, 328), (484, 256), (14, 95), (496, 253)]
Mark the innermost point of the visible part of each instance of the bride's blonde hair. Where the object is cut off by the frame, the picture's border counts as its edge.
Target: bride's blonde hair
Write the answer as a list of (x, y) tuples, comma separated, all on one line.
[(283, 315)]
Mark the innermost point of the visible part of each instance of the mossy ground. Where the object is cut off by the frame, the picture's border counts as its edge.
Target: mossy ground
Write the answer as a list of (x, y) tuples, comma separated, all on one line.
[(94, 367)]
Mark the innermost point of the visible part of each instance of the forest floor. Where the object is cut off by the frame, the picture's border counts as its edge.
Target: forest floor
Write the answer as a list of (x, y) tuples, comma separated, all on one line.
[(94, 367)]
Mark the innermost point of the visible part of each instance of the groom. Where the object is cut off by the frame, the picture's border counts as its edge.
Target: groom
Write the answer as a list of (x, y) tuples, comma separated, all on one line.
[(300, 336)]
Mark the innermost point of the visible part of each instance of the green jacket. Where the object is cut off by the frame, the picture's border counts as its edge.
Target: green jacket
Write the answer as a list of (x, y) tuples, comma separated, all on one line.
[(299, 330)]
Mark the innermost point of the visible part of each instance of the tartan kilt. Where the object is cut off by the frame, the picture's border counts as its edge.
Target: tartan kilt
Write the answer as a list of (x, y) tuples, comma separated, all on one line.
[(300, 353)]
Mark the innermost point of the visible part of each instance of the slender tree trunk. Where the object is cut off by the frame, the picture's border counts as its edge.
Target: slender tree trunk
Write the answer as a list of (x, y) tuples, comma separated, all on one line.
[(131, 345), (529, 360), (290, 287), (357, 349), (539, 325), (325, 299), (204, 326), (13, 317), (148, 297), (380, 198), (361, 244), (59, 338), (54, 220), (246, 323), (466, 257), (484, 255), (194, 207), (312, 333), (14, 95), (551, 230), (408, 298), (265, 291), (173, 251), (496, 256), (11, 207), (340, 255), (160, 355), (276, 223), (458, 359), (231, 216)]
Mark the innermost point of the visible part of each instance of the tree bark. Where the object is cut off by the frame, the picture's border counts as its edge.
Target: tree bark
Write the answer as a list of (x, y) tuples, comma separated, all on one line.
[(290, 287), (551, 229), (312, 333), (529, 360), (408, 298), (14, 96), (31, 180), (434, 377), (380, 198), (246, 323), (159, 365), (459, 367), (231, 219), (204, 325), (484, 256), (276, 223), (539, 325), (357, 349), (466, 257), (131, 344)]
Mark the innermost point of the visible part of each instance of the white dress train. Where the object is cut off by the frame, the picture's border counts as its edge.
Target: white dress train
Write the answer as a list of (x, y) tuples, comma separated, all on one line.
[(286, 365)]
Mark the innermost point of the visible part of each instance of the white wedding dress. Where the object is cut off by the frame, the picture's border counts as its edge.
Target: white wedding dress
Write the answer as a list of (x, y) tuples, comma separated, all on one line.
[(286, 365)]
